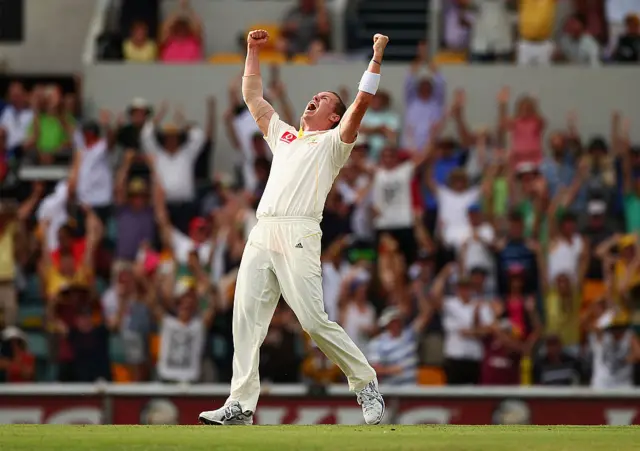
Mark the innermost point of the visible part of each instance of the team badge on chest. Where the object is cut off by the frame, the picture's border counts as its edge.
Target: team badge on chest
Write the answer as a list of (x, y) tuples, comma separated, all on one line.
[(288, 137)]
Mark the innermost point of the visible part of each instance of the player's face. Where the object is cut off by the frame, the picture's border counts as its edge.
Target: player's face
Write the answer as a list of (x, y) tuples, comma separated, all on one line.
[(321, 111)]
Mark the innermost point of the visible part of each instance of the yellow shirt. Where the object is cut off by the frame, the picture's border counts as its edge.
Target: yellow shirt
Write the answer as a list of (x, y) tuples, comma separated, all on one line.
[(55, 281), (563, 320), (536, 19), (145, 54), (620, 271), (7, 257)]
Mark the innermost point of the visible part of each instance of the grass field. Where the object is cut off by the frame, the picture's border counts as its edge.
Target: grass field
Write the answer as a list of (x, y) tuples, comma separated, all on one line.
[(318, 438)]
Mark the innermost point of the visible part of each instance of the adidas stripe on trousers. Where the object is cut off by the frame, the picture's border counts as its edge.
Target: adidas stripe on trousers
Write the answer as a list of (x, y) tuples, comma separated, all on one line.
[(282, 256)]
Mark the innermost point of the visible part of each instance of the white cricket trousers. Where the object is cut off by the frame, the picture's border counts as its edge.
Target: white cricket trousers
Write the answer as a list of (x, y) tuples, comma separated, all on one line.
[(282, 256)]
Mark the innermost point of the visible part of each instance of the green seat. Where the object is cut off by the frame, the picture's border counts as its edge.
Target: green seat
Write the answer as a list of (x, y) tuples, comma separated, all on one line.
[(31, 316), (116, 349), (38, 345), (33, 292)]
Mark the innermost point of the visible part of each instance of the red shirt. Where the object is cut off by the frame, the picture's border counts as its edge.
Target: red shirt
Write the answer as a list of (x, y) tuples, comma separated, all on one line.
[(13, 372), (77, 250), (500, 365)]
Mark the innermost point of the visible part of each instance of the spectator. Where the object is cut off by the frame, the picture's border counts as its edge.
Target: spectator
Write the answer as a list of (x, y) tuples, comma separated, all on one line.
[(631, 189), (173, 163), (503, 349), (52, 129), (526, 128), (357, 315), (425, 102), (559, 167), (477, 245), (562, 306), (53, 210), (126, 313), (600, 182), (380, 125), (12, 248), (182, 333), (628, 46), (491, 33), (595, 234), (536, 19), (318, 370), (17, 364), (128, 133), (519, 306), (182, 36), (280, 353), (553, 366), (576, 46), (617, 13), (134, 214), (139, 48), (90, 348), (394, 353), (16, 118), (567, 249), (458, 21), (303, 25), (334, 272)]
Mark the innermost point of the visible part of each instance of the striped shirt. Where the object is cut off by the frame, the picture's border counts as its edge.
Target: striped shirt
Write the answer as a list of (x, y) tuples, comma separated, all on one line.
[(387, 350)]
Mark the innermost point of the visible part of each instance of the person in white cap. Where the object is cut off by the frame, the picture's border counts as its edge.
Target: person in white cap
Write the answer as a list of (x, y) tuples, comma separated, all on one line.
[(282, 255)]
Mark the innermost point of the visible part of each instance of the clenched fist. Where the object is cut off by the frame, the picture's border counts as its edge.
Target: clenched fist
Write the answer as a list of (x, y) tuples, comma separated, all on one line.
[(380, 41), (257, 38)]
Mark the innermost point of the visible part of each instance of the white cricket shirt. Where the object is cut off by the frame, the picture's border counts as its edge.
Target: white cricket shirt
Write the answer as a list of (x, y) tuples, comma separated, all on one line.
[(303, 170)]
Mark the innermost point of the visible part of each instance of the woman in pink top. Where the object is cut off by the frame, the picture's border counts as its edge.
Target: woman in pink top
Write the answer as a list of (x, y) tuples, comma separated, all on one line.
[(526, 128), (181, 36)]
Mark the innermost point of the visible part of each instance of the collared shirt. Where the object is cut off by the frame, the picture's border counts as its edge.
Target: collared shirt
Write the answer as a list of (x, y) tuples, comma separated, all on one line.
[(401, 351), (421, 114), (16, 123), (95, 178)]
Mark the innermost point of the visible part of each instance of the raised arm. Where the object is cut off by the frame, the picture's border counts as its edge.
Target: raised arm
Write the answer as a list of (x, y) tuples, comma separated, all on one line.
[(252, 91), (368, 87)]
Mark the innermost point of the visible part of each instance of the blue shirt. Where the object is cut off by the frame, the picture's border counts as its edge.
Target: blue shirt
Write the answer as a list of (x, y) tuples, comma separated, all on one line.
[(421, 114), (400, 351), (441, 170)]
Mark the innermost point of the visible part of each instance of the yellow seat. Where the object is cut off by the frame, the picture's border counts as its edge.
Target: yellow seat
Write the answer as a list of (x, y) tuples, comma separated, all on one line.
[(301, 59), (121, 374), (274, 33), (450, 57), (272, 57), (226, 58), (154, 347), (431, 375)]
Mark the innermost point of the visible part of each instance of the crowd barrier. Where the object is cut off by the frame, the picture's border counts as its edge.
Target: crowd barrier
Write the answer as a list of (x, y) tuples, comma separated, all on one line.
[(293, 404)]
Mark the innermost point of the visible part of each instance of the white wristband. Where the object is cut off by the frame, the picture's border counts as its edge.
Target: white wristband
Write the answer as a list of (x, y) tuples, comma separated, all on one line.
[(369, 82)]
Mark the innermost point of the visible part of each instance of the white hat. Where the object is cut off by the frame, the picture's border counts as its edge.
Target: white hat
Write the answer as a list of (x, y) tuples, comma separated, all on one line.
[(596, 207), (526, 168), (139, 103), (389, 314), (12, 332), (183, 286)]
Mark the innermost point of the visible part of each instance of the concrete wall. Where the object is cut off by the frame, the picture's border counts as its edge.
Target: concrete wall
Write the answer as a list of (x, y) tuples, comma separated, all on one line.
[(593, 93), (55, 32)]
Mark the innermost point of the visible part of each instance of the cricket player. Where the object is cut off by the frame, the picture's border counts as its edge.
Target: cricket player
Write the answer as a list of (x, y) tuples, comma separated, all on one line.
[(282, 254)]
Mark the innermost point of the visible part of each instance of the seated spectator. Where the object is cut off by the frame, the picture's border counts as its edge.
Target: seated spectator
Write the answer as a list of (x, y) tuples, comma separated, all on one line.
[(280, 354), (173, 163), (17, 364), (52, 129), (424, 102), (576, 46), (380, 125), (303, 25), (628, 46), (139, 48), (458, 21), (553, 366), (394, 353), (16, 118), (182, 35), (182, 332), (134, 214), (491, 33), (526, 128), (536, 19)]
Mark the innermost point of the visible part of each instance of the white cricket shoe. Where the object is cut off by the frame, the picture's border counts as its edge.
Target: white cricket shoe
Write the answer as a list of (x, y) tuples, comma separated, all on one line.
[(231, 414), (372, 403)]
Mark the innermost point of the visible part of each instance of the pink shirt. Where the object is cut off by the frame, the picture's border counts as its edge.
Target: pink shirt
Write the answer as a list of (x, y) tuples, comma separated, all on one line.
[(526, 141), (185, 50)]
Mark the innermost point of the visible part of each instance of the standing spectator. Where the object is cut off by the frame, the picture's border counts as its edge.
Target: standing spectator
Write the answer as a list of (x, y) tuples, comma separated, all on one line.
[(173, 163), (631, 188), (380, 125), (491, 33), (139, 48), (137, 114), (303, 25), (394, 353), (354, 185), (182, 36), (334, 272), (182, 333), (16, 118), (595, 233), (628, 46), (90, 348), (553, 366), (563, 301), (9, 236), (576, 46), (600, 182), (559, 167), (567, 253), (526, 128), (17, 364), (424, 100), (477, 246), (503, 349), (357, 315), (536, 19)]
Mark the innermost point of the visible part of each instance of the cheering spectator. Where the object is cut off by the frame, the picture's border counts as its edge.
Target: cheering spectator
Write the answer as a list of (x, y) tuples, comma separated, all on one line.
[(477, 246), (491, 33), (559, 167), (139, 48), (128, 133), (17, 364), (424, 100), (596, 232), (503, 349), (357, 315), (628, 47), (173, 163), (554, 366), (354, 185), (563, 301), (16, 118), (303, 25), (181, 36), (600, 182), (380, 125), (334, 272), (576, 46), (536, 19)]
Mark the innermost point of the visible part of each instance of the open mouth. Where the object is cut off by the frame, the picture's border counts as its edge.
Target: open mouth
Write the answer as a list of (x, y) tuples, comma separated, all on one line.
[(312, 106)]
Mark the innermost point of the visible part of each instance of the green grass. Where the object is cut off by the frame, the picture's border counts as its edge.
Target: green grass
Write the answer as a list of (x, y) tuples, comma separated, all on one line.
[(320, 438)]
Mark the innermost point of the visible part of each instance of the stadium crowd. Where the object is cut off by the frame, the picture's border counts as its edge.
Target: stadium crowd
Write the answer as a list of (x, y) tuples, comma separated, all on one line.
[(452, 254)]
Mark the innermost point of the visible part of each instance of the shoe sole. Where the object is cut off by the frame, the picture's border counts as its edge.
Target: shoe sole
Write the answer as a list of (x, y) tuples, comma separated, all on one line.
[(208, 422)]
